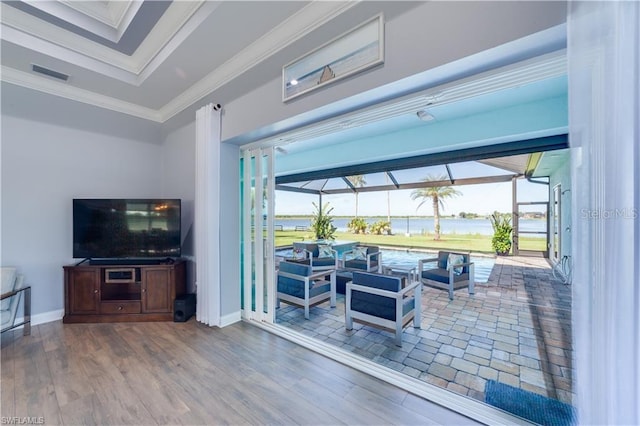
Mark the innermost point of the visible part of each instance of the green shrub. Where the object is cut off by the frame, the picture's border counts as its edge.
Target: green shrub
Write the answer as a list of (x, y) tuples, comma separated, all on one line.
[(501, 240), (380, 227), (357, 225)]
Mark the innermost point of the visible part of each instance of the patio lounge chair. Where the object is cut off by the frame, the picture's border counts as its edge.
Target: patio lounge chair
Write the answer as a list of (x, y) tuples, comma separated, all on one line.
[(320, 257), (363, 258), (453, 270), (299, 285), (381, 300)]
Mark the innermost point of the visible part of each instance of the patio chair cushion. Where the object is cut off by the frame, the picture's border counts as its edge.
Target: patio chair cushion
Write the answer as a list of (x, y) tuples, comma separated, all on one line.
[(295, 287), (360, 253), (359, 264), (442, 275), (443, 258), (455, 259), (311, 247), (376, 305), (325, 250), (324, 261), (295, 267)]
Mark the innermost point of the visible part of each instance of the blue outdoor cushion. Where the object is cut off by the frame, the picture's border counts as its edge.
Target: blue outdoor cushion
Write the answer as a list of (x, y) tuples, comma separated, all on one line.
[(443, 259), (442, 275), (359, 264), (295, 287), (324, 261), (295, 268), (376, 305)]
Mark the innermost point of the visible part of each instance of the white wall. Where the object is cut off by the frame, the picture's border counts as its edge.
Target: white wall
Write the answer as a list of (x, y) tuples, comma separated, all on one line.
[(179, 182), (426, 37), (45, 166), (179, 178)]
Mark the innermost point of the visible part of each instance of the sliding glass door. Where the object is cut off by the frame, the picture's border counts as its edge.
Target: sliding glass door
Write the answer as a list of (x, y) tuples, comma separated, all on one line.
[(257, 234)]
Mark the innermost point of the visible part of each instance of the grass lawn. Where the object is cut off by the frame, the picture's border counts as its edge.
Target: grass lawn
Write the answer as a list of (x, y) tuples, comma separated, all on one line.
[(467, 242)]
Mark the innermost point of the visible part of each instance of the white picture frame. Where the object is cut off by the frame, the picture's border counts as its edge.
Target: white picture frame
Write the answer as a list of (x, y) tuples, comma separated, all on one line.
[(352, 52)]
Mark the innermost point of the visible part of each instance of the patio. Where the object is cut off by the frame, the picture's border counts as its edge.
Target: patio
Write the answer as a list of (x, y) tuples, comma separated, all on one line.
[(516, 329)]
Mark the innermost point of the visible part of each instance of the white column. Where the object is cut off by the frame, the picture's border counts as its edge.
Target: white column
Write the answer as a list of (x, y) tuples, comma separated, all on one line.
[(207, 215), (604, 112)]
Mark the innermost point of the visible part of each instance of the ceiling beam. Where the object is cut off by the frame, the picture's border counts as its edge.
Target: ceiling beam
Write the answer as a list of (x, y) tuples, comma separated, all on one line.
[(413, 185), (393, 179), (547, 143)]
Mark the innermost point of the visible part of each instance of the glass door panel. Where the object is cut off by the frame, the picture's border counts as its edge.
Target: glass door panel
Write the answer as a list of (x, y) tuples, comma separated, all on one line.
[(257, 188)]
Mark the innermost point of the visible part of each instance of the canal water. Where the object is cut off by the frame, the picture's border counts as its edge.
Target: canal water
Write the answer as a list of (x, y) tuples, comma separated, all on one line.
[(418, 226)]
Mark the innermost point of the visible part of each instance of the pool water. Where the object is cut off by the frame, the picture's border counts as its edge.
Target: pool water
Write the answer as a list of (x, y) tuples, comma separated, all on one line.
[(408, 258)]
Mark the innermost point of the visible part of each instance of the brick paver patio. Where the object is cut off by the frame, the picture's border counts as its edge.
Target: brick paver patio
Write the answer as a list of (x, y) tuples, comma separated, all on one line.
[(516, 329)]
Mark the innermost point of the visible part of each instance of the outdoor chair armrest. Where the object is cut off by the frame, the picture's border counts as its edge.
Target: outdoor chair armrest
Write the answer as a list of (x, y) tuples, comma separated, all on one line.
[(410, 287), (370, 255), (322, 274), (345, 253), (421, 262), (459, 265)]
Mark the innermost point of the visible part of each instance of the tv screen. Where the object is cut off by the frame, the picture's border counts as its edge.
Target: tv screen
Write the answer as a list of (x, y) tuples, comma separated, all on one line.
[(126, 228)]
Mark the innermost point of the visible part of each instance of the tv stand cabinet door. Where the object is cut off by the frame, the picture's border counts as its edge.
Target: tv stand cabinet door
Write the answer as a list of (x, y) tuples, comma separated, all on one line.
[(83, 290), (157, 290)]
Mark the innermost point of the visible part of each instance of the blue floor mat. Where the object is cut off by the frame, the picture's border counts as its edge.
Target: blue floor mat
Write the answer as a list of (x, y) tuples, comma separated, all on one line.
[(529, 405)]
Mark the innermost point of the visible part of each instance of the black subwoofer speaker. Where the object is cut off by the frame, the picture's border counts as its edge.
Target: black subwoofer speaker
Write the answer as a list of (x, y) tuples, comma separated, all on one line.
[(184, 307)]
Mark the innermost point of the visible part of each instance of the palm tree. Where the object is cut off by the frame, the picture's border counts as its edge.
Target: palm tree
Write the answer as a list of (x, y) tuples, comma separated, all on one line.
[(357, 181), (436, 194)]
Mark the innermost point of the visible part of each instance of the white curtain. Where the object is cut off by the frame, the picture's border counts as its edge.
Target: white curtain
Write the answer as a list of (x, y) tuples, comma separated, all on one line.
[(604, 116), (207, 215)]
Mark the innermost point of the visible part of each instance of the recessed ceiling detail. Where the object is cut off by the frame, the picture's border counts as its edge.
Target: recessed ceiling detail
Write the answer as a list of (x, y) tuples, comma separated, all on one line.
[(72, 37), (119, 25)]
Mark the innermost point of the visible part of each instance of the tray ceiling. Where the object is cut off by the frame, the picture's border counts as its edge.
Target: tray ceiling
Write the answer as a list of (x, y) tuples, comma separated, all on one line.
[(150, 59)]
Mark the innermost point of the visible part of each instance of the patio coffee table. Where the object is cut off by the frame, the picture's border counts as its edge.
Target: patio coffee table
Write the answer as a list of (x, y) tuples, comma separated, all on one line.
[(400, 270)]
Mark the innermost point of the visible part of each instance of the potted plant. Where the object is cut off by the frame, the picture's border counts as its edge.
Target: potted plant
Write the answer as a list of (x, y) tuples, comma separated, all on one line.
[(322, 223), (501, 241)]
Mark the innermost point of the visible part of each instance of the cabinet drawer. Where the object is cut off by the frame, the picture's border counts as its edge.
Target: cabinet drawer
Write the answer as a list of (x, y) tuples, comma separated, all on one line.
[(116, 307)]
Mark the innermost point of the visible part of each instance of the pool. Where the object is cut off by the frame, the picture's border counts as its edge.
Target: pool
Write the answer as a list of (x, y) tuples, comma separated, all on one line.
[(483, 265)]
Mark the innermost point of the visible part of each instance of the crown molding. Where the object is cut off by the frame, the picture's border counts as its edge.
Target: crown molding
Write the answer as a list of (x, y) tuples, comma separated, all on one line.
[(64, 90), (296, 26), (123, 13), (62, 53), (293, 28), (48, 39), (103, 11), (34, 29), (168, 34)]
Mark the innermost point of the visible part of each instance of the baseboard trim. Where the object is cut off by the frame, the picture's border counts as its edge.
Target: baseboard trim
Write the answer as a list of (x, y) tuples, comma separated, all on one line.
[(464, 405), (44, 317), (231, 318)]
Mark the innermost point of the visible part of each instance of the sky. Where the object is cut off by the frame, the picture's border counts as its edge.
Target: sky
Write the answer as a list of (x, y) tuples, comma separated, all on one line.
[(482, 199)]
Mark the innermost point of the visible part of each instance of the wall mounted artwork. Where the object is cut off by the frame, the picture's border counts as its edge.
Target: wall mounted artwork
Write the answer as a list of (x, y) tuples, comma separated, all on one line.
[(352, 52)]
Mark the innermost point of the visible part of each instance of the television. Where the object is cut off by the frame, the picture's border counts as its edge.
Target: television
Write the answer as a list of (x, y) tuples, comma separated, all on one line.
[(126, 228)]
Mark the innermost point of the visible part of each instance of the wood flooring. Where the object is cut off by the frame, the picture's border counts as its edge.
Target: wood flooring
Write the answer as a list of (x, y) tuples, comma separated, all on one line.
[(188, 373)]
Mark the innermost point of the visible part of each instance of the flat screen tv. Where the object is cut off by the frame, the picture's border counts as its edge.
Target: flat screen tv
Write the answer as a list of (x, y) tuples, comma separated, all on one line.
[(126, 228)]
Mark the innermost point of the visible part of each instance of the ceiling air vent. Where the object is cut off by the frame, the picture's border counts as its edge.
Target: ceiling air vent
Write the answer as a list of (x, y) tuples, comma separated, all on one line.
[(50, 73)]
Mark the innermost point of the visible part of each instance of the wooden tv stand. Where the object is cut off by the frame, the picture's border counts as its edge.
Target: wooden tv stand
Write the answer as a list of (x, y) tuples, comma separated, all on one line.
[(120, 293)]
